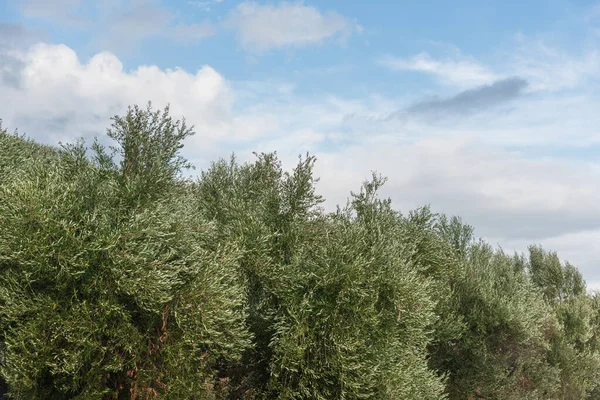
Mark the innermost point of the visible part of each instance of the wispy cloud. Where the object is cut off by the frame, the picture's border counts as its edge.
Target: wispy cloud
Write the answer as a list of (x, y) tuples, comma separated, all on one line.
[(461, 72), (119, 25), (67, 12), (466, 102), (205, 5), (543, 66), (16, 34), (265, 27), (550, 68), (146, 19)]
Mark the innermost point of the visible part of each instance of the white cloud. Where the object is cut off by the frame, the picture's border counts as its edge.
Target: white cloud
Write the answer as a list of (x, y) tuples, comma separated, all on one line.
[(144, 19), (264, 27), (59, 96), (551, 68), (502, 194), (544, 67), (119, 25), (463, 72)]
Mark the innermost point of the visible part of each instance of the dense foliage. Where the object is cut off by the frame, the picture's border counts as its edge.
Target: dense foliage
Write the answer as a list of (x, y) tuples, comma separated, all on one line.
[(120, 279)]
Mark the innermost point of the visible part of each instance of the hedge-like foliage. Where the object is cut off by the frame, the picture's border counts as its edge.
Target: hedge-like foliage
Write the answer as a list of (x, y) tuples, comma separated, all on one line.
[(120, 279)]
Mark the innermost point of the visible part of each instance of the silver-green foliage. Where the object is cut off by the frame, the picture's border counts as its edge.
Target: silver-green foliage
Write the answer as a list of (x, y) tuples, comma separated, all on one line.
[(119, 279), (101, 297), (337, 307), (574, 347)]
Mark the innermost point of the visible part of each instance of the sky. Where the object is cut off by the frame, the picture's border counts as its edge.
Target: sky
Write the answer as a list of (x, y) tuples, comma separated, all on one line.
[(489, 110)]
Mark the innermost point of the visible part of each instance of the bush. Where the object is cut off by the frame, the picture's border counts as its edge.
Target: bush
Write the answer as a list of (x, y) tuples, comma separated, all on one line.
[(120, 279)]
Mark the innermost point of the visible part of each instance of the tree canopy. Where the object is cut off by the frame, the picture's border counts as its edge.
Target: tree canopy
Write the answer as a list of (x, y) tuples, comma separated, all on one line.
[(120, 279)]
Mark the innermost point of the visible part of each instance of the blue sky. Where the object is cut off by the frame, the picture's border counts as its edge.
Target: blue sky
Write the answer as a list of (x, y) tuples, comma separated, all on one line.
[(485, 109), (477, 28)]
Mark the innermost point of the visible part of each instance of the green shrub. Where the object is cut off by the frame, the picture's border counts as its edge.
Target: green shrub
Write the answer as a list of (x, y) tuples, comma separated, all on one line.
[(120, 279)]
